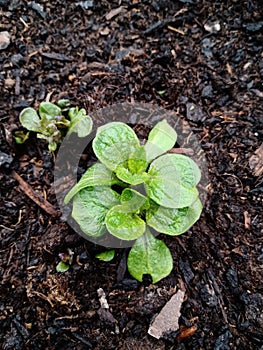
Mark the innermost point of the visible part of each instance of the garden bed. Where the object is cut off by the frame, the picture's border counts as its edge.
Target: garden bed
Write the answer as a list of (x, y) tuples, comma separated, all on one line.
[(203, 61)]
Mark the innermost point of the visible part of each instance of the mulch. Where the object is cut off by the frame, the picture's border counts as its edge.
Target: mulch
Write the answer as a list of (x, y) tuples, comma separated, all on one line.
[(201, 59)]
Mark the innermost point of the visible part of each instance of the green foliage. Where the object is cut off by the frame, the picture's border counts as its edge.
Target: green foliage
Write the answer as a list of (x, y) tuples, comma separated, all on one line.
[(150, 256), (62, 267), (51, 122), (108, 255), (21, 137), (90, 207), (154, 189)]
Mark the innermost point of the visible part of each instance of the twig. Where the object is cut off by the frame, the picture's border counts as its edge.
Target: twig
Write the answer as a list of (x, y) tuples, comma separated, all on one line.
[(176, 30), (168, 21), (40, 201)]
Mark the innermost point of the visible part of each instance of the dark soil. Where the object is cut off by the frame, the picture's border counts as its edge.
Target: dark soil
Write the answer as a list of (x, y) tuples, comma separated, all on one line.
[(168, 53)]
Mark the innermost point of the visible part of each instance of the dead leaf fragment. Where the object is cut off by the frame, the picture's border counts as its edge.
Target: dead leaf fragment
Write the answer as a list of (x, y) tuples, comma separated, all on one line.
[(167, 319), (187, 332)]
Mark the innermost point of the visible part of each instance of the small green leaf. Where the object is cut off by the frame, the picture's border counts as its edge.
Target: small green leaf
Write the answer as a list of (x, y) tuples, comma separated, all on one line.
[(96, 175), (90, 207), (73, 112), (52, 139), (62, 267), (63, 103), (123, 224), (172, 181), (52, 146), (61, 122), (161, 138), (108, 255), (29, 119), (21, 137), (81, 123), (133, 179), (149, 256), (137, 161), (173, 221), (49, 110), (114, 143), (133, 200)]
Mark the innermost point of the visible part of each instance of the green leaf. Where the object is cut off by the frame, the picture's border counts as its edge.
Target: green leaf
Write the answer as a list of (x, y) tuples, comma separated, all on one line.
[(63, 103), (137, 161), (133, 200), (123, 224), (90, 207), (173, 221), (21, 137), (133, 179), (52, 138), (114, 143), (108, 255), (149, 256), (172, 181), (49, 110), (161, 138), (81, 123), (61, 122), (62, 267), (96, 175), (29, 119), (52, 146)]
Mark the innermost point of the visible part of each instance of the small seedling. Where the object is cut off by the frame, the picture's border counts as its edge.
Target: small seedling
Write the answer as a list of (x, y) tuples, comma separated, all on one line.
[(53, 121), (66, 261), (135, 188)]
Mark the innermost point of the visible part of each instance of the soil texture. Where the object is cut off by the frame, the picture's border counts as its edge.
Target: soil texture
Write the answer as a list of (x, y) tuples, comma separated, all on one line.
[(201, 59)]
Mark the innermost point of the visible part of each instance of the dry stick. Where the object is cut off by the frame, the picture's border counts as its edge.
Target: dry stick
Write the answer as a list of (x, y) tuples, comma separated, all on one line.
[(40, 201)]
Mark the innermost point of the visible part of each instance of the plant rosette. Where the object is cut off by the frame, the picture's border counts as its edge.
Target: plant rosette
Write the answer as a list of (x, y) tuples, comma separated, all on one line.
[(51, 124), (135, 189)]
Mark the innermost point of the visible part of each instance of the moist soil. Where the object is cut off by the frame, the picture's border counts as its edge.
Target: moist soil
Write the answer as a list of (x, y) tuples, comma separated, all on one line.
[(200, 59)]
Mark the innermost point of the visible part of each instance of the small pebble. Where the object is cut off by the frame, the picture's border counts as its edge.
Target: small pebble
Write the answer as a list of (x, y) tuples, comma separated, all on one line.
[(17, 59), (207, 91), (212, 27), (5, 160), (5, 39)]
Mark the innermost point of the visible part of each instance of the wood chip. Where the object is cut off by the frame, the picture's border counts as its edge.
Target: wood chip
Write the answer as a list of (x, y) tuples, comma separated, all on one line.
[(103, 301), (40, 201), (257, 92), (56, 56), (114, 13), (188, 332), (229, 69), (247, 220), (256, 162), (167, 319)]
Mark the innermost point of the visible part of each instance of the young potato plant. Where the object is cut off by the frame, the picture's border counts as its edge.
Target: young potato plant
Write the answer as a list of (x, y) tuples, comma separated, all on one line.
[(51, 124), (135, 188)]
